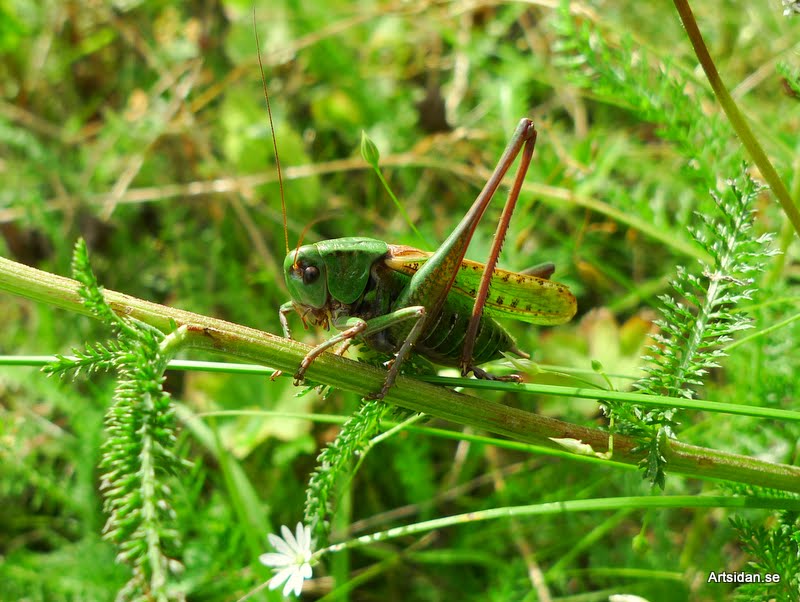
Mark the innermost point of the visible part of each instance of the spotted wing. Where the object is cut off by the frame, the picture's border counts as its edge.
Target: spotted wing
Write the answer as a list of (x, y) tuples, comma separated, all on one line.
[(511, 295)]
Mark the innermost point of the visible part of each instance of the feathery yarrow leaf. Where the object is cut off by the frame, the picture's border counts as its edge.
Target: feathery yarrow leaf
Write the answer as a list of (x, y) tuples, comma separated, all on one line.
[(774, 550), (94, 357), (694, 327), (624, 73), (137, 456), (335, 461), (91, 292)]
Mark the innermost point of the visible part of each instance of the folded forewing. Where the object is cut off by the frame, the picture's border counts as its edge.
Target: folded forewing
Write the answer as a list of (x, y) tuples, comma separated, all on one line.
[(511, 295)]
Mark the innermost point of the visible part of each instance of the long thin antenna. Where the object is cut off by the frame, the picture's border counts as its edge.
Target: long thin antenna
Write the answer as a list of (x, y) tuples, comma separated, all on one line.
[(308, 227), (272, 130)]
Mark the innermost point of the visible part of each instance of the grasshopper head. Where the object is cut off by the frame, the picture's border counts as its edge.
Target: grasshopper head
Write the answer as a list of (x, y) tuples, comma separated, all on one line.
[(306, 277)]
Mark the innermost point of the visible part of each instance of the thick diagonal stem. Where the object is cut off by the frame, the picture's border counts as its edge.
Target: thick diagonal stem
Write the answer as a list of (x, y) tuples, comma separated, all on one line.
[(250, 344)]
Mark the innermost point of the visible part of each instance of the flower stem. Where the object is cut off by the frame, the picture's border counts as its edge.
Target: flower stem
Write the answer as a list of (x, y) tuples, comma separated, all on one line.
[(565, 507)]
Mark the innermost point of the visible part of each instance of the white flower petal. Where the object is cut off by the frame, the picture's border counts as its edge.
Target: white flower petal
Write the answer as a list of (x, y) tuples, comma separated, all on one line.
[(291, 559), (309, 542), (275, 560), (280, 546), (303, 537), (280, 577), (289, 539), (295, 583)]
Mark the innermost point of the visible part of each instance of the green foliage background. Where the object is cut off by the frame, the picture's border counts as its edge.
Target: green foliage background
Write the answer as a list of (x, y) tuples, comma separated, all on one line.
[(141, 126)]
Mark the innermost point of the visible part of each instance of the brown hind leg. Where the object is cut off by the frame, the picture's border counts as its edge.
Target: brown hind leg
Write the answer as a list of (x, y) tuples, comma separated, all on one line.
[(514, 378), (484, 375)]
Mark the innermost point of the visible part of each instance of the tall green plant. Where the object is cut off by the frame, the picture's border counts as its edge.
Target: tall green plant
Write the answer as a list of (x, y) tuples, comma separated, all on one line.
[(651, 86), (701, 316), (138, 454)]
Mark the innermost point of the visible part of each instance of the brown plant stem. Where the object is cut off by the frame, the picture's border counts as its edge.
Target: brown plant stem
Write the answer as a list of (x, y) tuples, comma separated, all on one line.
[(265, 348)]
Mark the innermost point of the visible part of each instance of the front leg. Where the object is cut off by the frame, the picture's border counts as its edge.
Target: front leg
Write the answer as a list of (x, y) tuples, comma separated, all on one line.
[(352, 327), (285, 309)]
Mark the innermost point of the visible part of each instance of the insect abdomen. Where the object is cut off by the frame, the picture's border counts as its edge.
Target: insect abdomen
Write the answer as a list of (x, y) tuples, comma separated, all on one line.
[(446, 339)]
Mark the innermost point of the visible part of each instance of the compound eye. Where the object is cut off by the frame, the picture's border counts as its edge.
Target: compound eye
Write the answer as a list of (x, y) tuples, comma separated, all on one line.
[(310, 274)]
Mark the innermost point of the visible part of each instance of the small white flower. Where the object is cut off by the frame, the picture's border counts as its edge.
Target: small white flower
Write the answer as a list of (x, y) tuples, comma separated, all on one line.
[(791, 8), (292, 560)]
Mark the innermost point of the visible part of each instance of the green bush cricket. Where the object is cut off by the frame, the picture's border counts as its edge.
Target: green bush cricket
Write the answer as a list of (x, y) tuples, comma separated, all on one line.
[(398, 299)]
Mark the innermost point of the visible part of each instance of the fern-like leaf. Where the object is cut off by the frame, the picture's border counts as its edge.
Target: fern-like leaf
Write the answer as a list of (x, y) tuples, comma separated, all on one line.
[(335, 461), (91, 292), (700, 317), (629, 75), (94, 357), (138, 456), (775, 551)]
